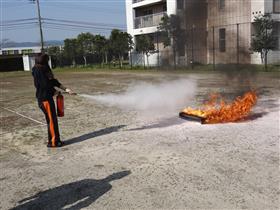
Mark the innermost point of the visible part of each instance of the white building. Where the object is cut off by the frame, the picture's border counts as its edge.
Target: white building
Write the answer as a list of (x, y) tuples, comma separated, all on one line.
[(19, 50), (271, 7), (24, 55), (143, 17), (218, 31)]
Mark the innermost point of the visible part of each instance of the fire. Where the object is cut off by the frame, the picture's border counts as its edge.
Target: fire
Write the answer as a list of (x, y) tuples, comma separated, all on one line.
[(222, 112)]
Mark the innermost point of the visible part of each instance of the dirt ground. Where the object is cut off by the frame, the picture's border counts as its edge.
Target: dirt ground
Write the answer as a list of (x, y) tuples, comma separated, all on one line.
[(123, 159)]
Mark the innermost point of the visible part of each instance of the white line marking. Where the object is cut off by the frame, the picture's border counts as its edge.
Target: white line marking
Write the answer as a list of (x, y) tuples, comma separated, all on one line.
[(29, 118)]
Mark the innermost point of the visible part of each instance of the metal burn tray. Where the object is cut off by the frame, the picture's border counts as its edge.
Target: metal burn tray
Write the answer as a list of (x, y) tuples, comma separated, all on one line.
[(191, 117)]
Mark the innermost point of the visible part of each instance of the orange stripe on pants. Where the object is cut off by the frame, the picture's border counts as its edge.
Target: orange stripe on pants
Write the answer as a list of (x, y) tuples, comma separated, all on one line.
[(48, 109)]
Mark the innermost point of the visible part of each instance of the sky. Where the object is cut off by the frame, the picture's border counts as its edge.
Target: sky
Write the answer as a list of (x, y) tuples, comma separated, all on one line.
[(61, 18)]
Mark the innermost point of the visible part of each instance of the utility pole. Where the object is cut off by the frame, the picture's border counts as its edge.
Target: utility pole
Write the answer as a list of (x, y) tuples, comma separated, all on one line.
[(40, 25)]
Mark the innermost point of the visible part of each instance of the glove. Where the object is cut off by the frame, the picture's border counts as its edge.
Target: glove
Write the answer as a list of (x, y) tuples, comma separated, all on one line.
[(69, 91)]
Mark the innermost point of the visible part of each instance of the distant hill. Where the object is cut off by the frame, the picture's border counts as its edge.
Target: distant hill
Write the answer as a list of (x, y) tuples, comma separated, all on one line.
[(33, 44)]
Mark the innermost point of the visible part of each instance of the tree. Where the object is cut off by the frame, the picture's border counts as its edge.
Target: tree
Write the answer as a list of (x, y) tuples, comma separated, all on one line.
[(56, 54), (106, 50), (121, 43), (145, 45), (85, 46), (172, 33), (70, 49), (263, 39), (101, 47)]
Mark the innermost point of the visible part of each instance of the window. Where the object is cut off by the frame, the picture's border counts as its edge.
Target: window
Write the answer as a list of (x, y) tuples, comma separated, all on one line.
[(222, 4), (222, 39), (276, 6), (182, 50), (180, 4), (5, 52)]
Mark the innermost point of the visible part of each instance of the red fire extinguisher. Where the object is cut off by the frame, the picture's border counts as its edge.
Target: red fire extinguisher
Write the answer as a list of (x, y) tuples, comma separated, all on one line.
[(60, 105)]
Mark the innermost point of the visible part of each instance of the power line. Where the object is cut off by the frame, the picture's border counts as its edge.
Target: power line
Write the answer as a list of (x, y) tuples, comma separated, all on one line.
[(19, 28), (78, 26), (76, 30), (85, 23), (18, 20), (13, 6), (86, 8), (17, 24), (61, 21)]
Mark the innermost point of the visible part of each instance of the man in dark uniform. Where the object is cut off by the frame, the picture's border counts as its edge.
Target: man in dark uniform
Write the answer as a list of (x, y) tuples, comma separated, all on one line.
[(45, 84)]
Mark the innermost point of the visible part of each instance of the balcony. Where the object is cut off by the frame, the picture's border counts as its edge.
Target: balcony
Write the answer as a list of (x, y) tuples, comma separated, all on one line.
[(144, 3), (136, 1), (148, 20)]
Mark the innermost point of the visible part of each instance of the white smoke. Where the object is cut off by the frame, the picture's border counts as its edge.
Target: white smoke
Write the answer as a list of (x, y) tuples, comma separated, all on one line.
[(163, 97)]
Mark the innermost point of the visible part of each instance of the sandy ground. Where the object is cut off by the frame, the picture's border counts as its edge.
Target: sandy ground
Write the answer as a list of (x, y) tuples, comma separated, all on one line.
[(126, 159)]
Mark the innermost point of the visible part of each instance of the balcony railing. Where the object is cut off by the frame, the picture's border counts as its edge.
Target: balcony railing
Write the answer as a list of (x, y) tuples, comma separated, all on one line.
[(136, 1), (148, 20)]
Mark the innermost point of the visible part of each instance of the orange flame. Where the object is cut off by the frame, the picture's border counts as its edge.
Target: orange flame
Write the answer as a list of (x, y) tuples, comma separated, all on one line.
[(212, 112)]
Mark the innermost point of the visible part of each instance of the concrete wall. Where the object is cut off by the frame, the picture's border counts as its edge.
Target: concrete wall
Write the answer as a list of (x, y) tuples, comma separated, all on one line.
[(235, 12), (139, 59), (196, 31), (28, 62), (129, 17), (272, 57)]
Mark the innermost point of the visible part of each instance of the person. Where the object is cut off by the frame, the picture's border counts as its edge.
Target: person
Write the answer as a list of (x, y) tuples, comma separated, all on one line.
[(45, 85)]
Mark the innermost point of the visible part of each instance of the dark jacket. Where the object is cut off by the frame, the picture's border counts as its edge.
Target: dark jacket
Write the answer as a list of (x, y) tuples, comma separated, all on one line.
[(44, 82)]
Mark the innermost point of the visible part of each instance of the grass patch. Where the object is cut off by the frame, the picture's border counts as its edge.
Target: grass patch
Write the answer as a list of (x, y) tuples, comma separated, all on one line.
[(140, 69)]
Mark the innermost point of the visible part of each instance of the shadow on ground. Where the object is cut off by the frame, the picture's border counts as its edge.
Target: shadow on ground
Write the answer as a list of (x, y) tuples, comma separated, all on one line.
[(180, 120), (101, 132), (255, 116), (74, 196), (162, 124)]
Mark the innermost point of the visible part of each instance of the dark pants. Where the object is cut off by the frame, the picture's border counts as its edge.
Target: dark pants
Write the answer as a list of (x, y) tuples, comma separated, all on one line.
[(48, 108)]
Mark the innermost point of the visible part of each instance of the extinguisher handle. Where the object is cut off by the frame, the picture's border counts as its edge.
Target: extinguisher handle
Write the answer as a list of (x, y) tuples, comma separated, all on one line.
[(70, 92), (64, 92)]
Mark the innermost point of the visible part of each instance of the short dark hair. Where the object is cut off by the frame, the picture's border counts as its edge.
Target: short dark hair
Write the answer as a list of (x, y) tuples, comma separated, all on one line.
[(42, 59)]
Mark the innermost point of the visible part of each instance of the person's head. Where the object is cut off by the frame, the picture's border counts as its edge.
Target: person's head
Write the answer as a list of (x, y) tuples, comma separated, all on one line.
[(42, 59)]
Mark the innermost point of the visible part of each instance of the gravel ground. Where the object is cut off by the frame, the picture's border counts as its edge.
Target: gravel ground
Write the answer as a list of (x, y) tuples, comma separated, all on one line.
[(126, 159)]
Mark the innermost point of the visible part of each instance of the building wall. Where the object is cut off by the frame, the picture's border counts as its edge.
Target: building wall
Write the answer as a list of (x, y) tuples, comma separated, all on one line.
[(233, 13), (196, 31), (19, 50), (203, 21), (157, 7)]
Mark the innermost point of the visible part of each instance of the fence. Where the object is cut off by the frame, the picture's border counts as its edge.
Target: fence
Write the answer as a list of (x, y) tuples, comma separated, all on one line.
[(223, 44)]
